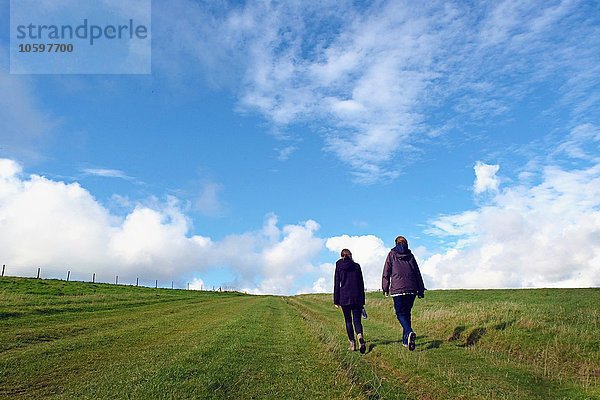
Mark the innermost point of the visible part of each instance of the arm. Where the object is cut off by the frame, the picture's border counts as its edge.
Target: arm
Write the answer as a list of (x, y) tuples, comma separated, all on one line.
[(417, 272), (336, 287), (362, 286), (387, 272)]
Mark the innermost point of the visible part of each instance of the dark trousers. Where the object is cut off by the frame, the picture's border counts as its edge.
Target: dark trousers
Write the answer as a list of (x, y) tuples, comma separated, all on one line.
[(403, 305), (352, 314)]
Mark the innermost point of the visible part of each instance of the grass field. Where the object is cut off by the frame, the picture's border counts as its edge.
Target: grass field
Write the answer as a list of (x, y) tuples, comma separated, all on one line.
[(86, 341)]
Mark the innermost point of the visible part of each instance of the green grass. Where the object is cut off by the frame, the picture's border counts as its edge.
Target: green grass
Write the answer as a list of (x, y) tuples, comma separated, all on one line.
[(501, 344), (80, 340)]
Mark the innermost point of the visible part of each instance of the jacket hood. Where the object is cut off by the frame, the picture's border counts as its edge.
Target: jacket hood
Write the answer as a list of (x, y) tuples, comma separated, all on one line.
[(401, 251), (347, 264)]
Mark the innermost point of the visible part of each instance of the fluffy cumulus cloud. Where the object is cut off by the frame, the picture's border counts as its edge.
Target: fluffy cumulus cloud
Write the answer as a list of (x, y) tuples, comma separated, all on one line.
[(529, 235), (60, 226), (272, 260), (485, 177), (523, 235), (368, 77)]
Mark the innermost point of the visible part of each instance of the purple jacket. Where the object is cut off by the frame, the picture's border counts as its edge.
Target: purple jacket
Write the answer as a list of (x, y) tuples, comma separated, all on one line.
[(401, 273), (349, 287)]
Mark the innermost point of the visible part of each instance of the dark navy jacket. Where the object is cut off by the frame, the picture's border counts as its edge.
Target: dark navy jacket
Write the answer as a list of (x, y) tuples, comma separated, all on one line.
[(349, 287), (401, 273)]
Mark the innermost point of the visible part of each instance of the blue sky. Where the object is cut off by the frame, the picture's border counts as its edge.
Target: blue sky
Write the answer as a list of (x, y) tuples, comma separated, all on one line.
[(270, 136)]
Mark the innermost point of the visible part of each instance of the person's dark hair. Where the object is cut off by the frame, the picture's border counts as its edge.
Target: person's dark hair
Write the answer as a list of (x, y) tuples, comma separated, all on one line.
[(346, 253), (402, 240)]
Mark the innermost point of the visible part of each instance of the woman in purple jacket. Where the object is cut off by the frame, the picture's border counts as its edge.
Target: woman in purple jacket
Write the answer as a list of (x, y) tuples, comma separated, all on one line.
[(349, 293), (402, 279)]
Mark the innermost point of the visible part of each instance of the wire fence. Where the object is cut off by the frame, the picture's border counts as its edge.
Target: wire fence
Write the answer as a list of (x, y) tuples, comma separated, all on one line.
[(69, 275)]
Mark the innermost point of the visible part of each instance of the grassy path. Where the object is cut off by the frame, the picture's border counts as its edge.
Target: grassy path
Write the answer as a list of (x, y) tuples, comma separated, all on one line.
[(487, 348), (82, 341), (197, 345)]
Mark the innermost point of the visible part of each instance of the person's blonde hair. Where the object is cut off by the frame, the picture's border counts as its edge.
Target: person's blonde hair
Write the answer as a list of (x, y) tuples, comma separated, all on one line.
[(402, 240)]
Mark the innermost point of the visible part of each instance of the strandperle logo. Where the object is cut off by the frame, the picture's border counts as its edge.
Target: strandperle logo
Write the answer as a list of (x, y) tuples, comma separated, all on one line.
[(80, 37), (84, 31)]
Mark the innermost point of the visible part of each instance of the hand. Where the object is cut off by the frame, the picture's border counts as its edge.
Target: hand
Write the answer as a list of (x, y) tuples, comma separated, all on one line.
[(421, 295), (386, 294), (336, 306)]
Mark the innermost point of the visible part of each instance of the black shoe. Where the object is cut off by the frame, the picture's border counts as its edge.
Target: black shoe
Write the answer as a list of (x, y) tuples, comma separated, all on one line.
[(411, 340), (363, 345)]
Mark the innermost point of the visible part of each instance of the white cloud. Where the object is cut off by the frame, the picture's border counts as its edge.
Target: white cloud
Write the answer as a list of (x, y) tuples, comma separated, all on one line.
[(286, 152), (541, 230), (582, 143), (107, 173), (462, 224), (9, 169), (544, 234), (362, 81), (60, 226), (485, 177), (197, 284), (273, 259), (526, 235), (371, 77), (323, 284)]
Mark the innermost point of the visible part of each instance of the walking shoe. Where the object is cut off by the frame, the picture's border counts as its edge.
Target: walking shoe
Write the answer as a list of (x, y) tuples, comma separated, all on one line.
[(352, 346), (363, 345), (411, 340)]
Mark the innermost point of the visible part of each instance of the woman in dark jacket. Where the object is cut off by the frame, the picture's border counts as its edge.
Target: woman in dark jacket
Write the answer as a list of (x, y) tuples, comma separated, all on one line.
[(402, 279), (349, 293)]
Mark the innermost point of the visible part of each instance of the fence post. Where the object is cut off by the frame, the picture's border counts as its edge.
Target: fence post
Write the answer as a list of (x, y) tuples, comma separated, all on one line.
[(68, 275), (3, 267), (156, 286), (117, 280), (137, 280), (94, 278), (38, 275)]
